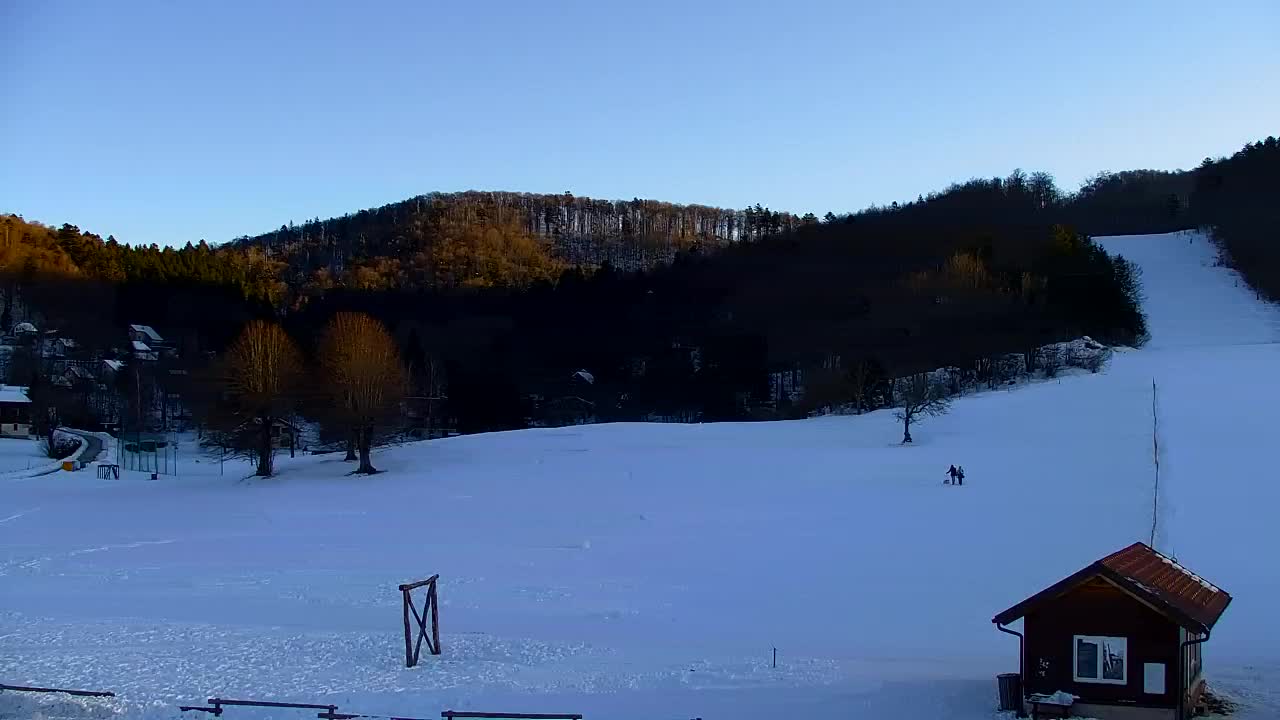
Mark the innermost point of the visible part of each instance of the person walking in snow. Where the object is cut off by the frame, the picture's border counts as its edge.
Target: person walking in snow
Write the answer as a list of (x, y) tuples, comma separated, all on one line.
[(951, 473), (960, 475)]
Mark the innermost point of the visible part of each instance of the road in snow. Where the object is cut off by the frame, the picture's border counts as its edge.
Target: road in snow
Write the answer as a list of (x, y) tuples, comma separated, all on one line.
[(646, 571)]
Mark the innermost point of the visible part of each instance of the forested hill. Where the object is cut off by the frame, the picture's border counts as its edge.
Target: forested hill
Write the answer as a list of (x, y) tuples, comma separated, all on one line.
[(505, 295), (507, 239), (476, 240), (1132, 202), (494, 239)]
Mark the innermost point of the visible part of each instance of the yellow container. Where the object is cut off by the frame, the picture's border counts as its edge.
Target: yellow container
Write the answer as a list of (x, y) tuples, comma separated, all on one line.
[(68, 465)]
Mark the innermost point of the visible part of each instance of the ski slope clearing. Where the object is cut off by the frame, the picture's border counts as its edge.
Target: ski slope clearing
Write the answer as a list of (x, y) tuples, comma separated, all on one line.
[(1213, 355), (647, 571)]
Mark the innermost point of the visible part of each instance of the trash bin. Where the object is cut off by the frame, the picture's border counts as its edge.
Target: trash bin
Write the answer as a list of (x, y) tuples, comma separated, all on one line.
[(1010, 692), (68, 465)]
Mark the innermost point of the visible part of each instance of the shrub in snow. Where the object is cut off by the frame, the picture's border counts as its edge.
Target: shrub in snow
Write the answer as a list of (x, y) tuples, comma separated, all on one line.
[(1051, 360), (1085, 353), (828, 390), (948, 380), (1010, 368), (61, 447)]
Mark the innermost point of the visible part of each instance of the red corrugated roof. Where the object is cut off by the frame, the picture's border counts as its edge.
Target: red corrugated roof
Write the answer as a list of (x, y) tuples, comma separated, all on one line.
[(1187, 598), (1177, 586)]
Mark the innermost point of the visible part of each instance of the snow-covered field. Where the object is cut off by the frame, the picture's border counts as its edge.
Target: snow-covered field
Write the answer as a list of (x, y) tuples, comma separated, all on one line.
[(26, 457), (20, 454), (647, 571)]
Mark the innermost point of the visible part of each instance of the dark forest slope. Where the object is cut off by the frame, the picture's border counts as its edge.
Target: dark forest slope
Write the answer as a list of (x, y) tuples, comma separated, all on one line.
[(1239, 199)]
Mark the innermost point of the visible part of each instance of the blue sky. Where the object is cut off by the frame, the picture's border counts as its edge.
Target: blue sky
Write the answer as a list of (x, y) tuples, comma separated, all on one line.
[(173, 121)]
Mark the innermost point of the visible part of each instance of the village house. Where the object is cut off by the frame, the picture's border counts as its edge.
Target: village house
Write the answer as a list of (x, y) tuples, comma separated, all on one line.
[(55, 347), (143, 351), (144, 334), (1122, 635), (110, 368), (76, 376), (15, 412), (147, 344), (565, 401), (286, 435)]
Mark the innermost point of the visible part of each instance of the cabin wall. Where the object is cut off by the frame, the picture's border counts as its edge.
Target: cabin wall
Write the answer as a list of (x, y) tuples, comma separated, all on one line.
[(1192, 671), (15, 430), (15, 420), (1100, 608), (1122, 712)]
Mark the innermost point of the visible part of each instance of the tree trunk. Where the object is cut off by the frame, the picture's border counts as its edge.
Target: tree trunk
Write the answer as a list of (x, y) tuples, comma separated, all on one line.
[(351, 446), (265, 456), (906, 427), (366, 442)]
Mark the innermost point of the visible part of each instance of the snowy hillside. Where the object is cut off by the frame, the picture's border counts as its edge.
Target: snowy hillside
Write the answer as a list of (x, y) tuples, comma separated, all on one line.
[(647, 571), (1213, 355)]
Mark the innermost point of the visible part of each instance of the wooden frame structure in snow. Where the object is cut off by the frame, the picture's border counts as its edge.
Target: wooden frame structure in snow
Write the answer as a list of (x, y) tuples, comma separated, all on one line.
[(430, 610)]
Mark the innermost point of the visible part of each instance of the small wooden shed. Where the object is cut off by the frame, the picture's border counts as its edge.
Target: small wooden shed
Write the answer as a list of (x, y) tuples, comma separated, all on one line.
[(1123, 635)]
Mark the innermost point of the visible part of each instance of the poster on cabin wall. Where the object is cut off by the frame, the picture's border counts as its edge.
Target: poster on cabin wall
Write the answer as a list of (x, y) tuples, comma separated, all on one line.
[(1153, 678), (1101, 659)]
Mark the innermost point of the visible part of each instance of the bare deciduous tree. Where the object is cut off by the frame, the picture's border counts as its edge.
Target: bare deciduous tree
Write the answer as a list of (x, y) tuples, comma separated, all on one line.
[(860, 384), (49, 405), (917, 397), (262, 375), (363, 377)]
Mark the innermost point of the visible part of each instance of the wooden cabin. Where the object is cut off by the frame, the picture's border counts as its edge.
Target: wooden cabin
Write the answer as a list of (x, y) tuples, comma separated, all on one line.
[(1123, 635), (15, 412), (285, 434)]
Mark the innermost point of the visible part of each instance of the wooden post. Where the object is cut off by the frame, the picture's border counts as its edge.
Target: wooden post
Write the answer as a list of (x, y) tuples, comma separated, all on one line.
[(409, 659), (435, 620), (1155, 459)]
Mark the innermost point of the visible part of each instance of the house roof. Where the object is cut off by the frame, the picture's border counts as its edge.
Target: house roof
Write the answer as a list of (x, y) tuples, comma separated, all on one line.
[(13, 394), (152, 335), (1186, 598), (140, 346), (79, 372)]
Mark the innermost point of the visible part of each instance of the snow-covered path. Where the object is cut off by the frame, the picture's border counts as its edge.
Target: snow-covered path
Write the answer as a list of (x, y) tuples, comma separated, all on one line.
[(1191, 302), (646, 571)]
